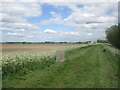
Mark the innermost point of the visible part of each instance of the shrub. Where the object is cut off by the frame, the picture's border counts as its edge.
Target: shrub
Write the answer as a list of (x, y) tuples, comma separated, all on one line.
[(113, 34)]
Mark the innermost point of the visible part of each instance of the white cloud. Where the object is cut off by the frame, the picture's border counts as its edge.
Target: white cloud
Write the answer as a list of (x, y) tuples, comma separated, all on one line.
[(89, 34), (50, 31), (11, 29), (5, 29), (14, 16), (107, 19), (16, 34), (10, 18), (29, 36), (90, 25), (22, 9), (91, 12), (71, 33), (18, 26)]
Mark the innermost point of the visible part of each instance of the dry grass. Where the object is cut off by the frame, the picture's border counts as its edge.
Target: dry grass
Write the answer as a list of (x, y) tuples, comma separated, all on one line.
[(12, 49)]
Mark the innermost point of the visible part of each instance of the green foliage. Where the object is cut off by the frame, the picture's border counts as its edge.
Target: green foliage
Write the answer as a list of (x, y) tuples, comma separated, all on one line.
[(23, 63), (102, 41), (113, 34)]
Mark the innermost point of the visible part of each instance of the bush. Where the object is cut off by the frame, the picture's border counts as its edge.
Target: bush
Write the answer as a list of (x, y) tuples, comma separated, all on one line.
[(102, 41), (113, 34)]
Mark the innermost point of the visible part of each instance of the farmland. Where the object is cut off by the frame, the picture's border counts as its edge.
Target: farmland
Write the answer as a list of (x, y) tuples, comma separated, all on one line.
[(85, 66), (12, 49)]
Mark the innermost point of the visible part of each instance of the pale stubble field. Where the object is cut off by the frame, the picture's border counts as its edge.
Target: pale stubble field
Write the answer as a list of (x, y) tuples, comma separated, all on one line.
[(12, 49)]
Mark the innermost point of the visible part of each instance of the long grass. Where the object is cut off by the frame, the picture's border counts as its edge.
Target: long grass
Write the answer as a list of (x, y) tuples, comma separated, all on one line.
[(24, 63)]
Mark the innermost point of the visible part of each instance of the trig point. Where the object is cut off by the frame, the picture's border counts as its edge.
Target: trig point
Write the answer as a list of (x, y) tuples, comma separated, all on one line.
[(60, 56)]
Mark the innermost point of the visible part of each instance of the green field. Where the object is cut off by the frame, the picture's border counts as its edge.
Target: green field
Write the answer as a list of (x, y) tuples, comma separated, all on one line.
[(92, 66)]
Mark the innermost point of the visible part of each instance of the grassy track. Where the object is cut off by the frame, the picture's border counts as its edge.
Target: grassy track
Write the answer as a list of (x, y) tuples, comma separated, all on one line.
[(89, 67)]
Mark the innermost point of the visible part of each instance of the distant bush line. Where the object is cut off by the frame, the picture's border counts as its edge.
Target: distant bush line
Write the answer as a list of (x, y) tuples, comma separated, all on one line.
[(47, 42)]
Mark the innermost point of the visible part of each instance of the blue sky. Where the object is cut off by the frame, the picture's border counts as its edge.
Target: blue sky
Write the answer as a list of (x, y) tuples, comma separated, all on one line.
[(47, 8), (55, 21)]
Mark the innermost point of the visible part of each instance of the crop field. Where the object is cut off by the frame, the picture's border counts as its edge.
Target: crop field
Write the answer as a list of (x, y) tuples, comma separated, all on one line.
[(12, 49), (87, 66)]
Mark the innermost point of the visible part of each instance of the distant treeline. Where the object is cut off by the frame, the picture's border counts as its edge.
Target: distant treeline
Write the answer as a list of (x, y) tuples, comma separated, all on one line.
[(50, 42)]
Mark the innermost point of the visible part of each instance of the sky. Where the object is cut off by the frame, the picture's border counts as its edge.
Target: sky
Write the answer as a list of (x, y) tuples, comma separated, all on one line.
[(37, 21)]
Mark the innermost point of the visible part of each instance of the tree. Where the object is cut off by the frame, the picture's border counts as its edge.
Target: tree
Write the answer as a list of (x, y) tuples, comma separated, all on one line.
[(113, 34)]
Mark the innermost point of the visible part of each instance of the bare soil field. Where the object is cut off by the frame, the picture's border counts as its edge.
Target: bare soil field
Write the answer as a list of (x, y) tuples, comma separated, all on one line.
[(11, 49)]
